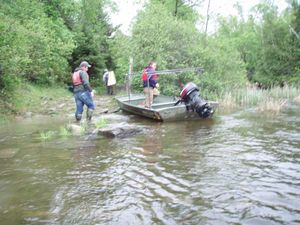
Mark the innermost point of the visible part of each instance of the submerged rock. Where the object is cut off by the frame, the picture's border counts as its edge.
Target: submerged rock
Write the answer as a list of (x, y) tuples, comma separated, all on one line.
[(75, 129), (104, 111), (120, 130)]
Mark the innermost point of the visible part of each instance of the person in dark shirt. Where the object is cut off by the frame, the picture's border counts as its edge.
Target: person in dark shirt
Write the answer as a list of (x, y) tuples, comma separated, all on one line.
[(83, 93), (105, 81)]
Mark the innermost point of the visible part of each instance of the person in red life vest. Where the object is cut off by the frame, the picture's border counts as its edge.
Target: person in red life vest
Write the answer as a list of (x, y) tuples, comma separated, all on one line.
[(83, 93), (149, 78)]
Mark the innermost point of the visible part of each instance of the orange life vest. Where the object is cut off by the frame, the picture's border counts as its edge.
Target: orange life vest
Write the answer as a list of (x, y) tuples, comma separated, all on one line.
[(76, 79)]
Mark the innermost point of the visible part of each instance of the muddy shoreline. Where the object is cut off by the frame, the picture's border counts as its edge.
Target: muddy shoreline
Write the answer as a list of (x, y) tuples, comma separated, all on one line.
[(65, 107)]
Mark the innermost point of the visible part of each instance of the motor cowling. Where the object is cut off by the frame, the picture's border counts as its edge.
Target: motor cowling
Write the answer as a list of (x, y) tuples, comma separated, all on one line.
[(191, 98)]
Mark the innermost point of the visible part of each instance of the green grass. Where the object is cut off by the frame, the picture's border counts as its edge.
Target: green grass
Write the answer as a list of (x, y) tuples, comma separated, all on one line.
[(29, 97), (101, 123), (63, 132), (3, 119), (83, 128), (100, 90), (48, 135), (45, 136)]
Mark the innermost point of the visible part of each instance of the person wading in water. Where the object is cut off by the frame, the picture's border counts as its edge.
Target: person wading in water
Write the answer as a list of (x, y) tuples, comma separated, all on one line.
[(83, 93)]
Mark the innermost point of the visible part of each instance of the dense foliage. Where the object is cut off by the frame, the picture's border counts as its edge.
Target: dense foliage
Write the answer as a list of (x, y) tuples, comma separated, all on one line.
[(42, 41), (174, 42), (263, 48), (268, 43), (33, 46)]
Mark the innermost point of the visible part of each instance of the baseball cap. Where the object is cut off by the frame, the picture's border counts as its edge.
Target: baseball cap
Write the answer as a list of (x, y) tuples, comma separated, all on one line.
[(84, 63)]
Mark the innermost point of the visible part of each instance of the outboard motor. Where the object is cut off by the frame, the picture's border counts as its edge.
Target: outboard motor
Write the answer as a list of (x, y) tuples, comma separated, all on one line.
[(190, 96)]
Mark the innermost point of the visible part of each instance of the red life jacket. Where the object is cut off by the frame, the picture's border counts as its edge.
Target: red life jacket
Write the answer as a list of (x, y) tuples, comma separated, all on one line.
[(144, 75), (76, 79)]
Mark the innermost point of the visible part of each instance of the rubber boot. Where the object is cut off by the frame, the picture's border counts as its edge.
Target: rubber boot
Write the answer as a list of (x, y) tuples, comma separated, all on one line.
[(89, 114), (78, 117)]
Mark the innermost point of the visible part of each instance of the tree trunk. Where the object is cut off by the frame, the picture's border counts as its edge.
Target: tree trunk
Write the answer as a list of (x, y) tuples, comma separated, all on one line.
[(207, 16)]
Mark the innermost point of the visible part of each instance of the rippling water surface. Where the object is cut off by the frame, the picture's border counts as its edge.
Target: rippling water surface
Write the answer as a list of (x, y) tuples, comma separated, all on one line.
[(240, 168)]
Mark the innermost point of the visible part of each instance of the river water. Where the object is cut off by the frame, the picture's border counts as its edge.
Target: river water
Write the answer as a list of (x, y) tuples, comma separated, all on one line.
[(239, 168)]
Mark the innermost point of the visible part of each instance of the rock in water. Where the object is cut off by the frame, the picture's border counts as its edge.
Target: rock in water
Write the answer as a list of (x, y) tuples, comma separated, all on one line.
[(119, 130), (75, 129)]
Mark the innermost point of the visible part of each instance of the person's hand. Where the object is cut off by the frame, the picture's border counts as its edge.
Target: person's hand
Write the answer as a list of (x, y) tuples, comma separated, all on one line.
[(93, 93), (157, 85)]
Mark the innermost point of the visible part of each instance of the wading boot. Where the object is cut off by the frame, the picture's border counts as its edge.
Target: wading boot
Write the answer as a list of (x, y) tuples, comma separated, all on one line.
[(89, 114), (78, 117)]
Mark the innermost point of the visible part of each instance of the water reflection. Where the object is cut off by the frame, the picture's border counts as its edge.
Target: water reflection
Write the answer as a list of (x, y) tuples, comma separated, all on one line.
[(152, 143)]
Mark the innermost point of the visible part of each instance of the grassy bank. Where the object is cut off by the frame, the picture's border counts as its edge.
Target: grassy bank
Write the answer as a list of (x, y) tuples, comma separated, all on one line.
[(37, 99), (29, 98)]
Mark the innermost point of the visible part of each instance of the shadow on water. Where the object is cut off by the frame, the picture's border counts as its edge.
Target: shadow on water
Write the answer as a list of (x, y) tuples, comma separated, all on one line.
[(240, 168)]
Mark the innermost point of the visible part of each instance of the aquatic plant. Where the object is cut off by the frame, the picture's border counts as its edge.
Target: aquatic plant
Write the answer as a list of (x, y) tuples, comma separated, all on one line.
[(46, 135), (83, 127), (64, 132), (101, 123)]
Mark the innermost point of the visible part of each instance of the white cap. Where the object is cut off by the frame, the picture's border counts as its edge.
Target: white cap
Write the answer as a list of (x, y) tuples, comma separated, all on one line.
[(84, 63)]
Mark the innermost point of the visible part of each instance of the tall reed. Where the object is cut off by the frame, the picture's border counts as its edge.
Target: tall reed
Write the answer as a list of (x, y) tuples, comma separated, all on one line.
[(265, 100), (297, 99), (272, 106)]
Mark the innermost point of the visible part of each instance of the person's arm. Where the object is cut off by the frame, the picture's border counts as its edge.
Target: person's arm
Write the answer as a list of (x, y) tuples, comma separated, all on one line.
[(85, 81)]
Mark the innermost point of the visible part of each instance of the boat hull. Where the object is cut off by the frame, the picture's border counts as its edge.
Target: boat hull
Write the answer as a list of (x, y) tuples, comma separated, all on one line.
[(163, 108)]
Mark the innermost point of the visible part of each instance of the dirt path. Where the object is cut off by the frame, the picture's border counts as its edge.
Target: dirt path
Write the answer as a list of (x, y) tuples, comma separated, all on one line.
[(65, 106)]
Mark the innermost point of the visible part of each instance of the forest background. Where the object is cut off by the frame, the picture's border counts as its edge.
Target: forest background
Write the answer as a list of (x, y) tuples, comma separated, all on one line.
[(42, 41)]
